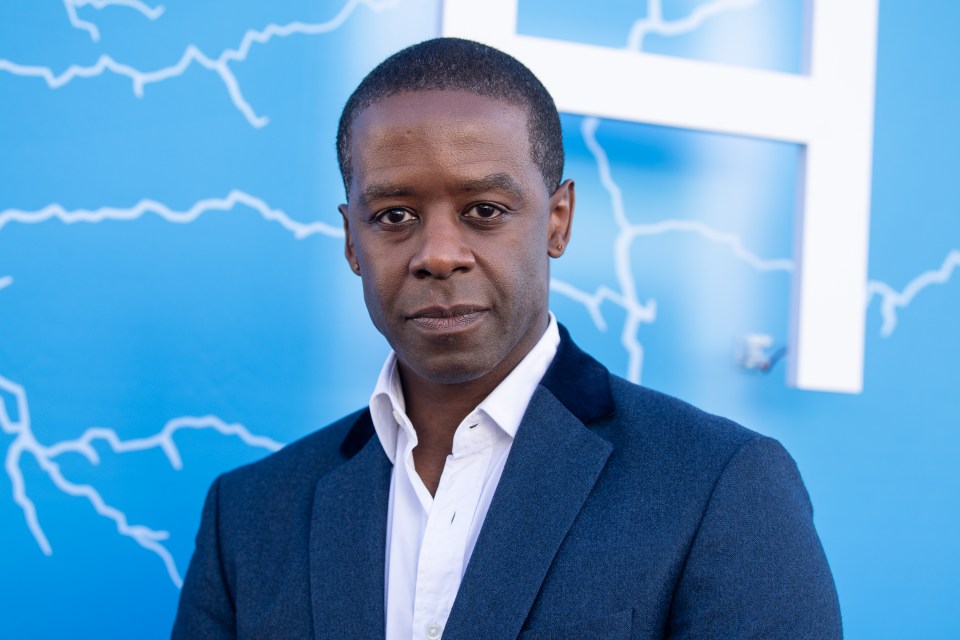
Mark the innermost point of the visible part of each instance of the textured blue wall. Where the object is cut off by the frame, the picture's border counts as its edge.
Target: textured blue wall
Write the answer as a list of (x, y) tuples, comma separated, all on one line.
[(174, 301)]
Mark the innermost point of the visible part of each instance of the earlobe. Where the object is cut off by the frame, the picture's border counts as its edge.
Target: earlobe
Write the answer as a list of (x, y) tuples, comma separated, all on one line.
[(348, 249), (561, 219)]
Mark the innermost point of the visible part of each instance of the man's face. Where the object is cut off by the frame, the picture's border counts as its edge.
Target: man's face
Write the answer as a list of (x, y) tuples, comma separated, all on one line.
[(451, 227)]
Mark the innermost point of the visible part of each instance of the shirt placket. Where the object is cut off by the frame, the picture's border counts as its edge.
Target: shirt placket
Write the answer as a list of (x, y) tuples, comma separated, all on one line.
[(448, 526)]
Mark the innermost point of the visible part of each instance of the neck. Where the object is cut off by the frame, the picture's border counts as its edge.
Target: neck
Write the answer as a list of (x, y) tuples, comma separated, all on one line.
[(437, 409)]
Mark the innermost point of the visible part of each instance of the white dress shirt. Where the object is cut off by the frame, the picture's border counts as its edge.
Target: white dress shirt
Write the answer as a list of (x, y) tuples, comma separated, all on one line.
[(430, 538)]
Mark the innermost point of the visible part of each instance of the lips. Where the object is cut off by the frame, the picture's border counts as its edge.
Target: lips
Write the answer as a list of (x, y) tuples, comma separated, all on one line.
[(447, 318)]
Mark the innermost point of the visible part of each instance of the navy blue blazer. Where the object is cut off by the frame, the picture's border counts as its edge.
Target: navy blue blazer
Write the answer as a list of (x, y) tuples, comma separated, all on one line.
[(621, 513)]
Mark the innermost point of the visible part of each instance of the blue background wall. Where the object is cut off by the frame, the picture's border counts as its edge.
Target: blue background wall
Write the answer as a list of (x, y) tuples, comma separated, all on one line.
[(174, 301)]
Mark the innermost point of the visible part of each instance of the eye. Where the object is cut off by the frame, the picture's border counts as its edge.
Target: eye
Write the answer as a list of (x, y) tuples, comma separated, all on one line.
[(483, 211), (394, 216)]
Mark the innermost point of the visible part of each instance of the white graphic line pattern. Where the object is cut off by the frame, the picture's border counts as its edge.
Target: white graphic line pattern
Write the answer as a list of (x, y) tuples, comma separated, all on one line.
[(654, 22), (72, 5), (626, 296), (25, 442), (729, 240), (638, 313), (300, 230), (220, 65), (891, 300)]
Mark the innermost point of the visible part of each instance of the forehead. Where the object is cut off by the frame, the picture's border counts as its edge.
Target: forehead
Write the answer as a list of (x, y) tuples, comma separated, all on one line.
[(439, 127), (412, 106)]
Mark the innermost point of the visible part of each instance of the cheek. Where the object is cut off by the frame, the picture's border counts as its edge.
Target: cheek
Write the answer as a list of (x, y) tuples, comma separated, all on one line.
[(522, 276), (378, 294), (535, 256), (379, 267)]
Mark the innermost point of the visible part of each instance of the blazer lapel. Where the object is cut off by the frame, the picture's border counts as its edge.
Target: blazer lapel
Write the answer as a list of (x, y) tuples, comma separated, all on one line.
[(347, 537), (554, 462), (553, 465)]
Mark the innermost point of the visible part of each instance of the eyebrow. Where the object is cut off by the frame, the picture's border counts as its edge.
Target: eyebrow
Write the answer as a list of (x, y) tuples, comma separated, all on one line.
[(494, 182), (385, 190)]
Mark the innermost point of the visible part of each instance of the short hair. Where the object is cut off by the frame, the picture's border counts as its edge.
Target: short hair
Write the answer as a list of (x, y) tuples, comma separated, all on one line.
[(454, 64)]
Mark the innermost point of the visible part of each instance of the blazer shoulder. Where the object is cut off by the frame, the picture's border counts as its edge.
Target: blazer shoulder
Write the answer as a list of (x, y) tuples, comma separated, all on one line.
[(625, 413), (644, 413), (662, 442), (302, 462)]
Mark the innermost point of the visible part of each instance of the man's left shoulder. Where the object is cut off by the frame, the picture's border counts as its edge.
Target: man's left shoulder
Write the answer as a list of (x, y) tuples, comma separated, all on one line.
[(653, 424), (717, 512), (733, 501), (668, 452), (658, 441)]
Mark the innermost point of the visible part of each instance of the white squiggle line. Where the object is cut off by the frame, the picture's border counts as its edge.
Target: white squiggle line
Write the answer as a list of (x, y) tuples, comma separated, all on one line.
[(163, 440), (891, 300), (151, 13), (193, 54), (6, 281), (626, 294), (72, 5), (300, 230), (729, 240), (75, 20), (637, 312), (26, 442), (654, 22), (591, 302)]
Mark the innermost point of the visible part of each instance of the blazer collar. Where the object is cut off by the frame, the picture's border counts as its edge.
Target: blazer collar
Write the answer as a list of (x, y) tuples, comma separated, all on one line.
[(553, 464), (579, 382), (576, 380)]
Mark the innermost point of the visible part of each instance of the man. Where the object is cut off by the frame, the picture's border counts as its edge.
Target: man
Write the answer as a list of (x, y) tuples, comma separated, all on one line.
[(502, 483)]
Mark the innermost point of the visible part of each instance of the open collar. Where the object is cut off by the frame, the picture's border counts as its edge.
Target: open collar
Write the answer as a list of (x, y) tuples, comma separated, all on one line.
[(575, 378), (553, 464)]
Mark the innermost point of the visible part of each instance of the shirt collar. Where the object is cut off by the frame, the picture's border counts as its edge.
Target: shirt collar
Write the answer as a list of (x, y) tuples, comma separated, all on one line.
[(505, 405)]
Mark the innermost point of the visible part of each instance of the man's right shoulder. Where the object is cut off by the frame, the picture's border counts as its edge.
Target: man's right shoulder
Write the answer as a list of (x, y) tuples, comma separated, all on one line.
[(302, 462)]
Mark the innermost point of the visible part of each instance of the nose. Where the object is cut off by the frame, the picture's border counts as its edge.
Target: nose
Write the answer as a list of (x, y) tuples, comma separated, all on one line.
[(442, 248)]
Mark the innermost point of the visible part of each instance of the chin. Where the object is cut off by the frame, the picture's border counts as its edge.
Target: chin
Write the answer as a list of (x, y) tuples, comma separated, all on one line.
[(450, 368)]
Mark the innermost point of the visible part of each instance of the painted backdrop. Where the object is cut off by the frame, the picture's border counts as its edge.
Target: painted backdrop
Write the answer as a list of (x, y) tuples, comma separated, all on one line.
[(174, 301)]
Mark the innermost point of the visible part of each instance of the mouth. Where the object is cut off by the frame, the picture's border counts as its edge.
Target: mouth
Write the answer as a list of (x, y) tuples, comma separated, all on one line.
[(442, 319)]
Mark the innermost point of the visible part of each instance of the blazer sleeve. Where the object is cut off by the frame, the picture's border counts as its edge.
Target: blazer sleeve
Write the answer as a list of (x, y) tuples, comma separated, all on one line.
[(206, 610), (756, 568)]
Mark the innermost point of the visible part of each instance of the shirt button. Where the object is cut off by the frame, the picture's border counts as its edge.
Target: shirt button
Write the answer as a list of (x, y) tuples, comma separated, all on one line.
[(434, 631)]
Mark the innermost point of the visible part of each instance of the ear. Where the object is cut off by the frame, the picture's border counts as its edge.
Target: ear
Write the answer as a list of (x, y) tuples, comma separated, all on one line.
[(348, 249), (561, 219)]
